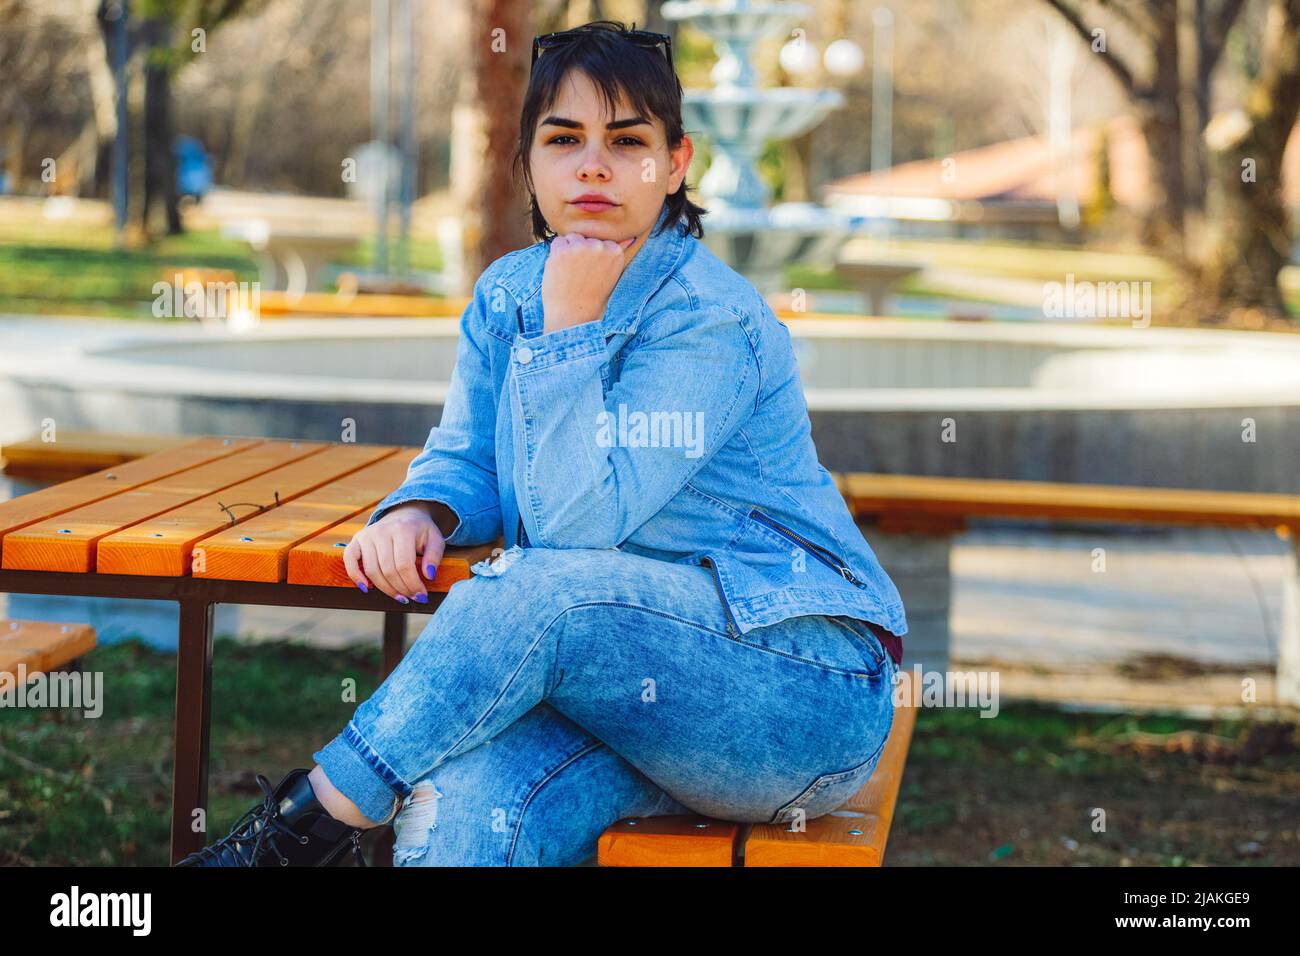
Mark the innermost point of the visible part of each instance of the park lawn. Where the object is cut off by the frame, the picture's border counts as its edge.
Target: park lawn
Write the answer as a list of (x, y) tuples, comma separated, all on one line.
[(64, 271), (1017, 789), (60, 268)]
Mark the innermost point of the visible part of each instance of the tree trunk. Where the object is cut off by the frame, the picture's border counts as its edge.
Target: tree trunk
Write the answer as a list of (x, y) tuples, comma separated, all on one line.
[(1162, 130), (1252, 239), (496, 215), (159, 158)]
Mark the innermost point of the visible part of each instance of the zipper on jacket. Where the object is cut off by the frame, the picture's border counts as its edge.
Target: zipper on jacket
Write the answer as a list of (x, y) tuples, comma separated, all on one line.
[(726, 608), (816, 550), (519, 531)]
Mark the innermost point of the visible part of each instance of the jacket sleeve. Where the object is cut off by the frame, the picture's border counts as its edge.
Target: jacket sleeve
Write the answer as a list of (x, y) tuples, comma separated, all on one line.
[(591, 468), (458, 463)]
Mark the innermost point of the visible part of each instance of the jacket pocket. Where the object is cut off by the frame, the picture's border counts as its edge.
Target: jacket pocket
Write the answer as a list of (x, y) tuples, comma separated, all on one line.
[(828, 558)]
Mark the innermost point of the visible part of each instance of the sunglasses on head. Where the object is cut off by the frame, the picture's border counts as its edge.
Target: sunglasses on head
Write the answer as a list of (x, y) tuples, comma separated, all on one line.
[(642, 38)]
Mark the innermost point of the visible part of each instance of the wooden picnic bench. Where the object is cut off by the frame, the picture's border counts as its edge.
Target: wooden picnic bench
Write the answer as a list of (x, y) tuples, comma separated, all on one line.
[(909, 506), (253, 521), (297, 562), (854, 834), (214, 520), (28, 648)]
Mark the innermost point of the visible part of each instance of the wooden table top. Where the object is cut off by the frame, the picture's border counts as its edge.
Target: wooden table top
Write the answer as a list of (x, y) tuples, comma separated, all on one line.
[(237, 508)]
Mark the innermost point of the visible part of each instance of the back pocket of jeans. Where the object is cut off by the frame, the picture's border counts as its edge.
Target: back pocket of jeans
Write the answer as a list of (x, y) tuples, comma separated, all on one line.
[(863, 637), (831, 790)]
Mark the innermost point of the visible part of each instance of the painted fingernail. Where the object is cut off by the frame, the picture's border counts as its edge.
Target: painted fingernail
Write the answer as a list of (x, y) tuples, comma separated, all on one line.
[(362, 585), (422, 597), (428, 571), (403, 599)]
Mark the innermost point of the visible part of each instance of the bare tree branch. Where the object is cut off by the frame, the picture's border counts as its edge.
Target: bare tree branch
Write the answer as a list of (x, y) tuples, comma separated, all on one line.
[(1216, 34), (1112, 62)]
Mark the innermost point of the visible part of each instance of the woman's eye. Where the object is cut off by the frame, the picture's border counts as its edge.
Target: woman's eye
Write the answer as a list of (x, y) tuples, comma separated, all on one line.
[(622, 140)]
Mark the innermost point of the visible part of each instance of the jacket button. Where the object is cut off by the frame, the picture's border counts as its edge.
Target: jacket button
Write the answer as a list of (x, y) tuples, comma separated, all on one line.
[(524, 355)]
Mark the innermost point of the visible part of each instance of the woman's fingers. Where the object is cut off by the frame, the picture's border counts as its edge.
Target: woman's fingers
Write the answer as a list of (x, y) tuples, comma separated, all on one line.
[(404, 564), (372, 562), (352, 562)]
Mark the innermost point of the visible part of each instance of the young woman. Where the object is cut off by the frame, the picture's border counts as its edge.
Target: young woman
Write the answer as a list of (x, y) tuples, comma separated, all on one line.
[(687, 618)]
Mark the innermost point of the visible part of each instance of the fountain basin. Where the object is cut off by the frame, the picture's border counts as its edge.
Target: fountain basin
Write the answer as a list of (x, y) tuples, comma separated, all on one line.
[(1153, 406)]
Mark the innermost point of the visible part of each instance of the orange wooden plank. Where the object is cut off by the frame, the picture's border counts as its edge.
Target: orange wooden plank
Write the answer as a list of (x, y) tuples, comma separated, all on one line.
[(685, 840), (376, 304), (74, 453), (162, 545), (58, 499), (856, 833), (258, 549), (898, 496), (67, 542), (42, 646), (319, 559)]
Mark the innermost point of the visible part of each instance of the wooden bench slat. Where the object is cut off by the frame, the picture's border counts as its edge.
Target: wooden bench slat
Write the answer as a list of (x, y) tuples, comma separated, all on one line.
[(163, 544), (42, 646), (274, 304), (41, 546), (48, 503), (258, 548), (898, 496), (827, 840), (319, 559), (75, 453), (668, 841)]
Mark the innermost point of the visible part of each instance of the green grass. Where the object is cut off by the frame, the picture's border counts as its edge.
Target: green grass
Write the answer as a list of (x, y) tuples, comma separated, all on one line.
[(1010, 790), (1025, 788), (55, 270), (98, 791), (92, 278)]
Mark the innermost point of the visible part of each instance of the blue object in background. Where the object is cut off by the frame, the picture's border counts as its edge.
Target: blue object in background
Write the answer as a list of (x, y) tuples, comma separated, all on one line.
[(193, 169)]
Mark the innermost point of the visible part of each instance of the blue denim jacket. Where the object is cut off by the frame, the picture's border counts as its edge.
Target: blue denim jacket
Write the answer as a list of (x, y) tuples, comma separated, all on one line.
[(673, 427)]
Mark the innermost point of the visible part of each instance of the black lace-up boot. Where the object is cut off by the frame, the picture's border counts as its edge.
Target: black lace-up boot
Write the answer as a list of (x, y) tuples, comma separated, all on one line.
[(290, 828)]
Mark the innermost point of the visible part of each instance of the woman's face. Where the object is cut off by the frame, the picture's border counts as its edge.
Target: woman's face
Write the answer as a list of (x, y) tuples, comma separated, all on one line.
[(574, 153)]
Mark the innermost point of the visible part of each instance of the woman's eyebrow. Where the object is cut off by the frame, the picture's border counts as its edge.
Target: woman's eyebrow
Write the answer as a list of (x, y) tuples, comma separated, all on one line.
[(574, 124)]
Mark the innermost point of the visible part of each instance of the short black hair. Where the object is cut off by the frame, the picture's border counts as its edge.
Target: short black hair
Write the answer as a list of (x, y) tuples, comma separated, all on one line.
[(614, 65)]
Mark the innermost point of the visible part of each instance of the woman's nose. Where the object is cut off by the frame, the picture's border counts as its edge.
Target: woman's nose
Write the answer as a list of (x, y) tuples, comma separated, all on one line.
[(593, 165)]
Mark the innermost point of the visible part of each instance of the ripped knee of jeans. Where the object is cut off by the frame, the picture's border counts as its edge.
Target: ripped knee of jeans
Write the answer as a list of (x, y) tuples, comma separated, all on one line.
[(414, 825), (499, 563)]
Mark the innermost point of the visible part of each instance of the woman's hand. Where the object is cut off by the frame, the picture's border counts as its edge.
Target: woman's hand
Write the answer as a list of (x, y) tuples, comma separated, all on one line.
[(384, 554), (579, 276)]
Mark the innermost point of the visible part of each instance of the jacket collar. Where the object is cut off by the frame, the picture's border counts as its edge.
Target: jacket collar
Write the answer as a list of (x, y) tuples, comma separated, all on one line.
[(654, 262)]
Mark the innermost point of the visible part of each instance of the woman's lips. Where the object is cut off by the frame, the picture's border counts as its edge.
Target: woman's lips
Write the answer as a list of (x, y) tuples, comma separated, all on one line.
[(594, 206)]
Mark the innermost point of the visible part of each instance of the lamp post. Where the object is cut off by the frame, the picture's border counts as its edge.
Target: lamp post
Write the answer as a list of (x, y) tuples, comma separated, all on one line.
[(882, 104), (379, 68)]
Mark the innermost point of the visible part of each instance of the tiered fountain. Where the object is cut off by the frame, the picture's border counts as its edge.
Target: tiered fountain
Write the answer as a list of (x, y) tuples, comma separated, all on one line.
[(756, 239)]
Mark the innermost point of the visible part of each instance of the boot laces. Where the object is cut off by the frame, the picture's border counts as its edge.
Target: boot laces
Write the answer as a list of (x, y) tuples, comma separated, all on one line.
[(246, 831)]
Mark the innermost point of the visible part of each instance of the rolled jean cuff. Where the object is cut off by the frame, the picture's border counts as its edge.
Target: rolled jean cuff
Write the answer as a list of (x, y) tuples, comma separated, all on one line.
[(361, 775)]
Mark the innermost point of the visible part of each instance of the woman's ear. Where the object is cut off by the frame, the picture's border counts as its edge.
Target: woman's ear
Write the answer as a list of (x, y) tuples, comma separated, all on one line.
[(680, 156)]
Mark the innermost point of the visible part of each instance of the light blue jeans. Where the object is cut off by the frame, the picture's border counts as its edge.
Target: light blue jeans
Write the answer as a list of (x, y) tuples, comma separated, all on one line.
[(551, 695)]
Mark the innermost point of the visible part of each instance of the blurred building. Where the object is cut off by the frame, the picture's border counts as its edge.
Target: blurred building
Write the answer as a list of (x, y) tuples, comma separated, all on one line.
[(1011, 190)]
